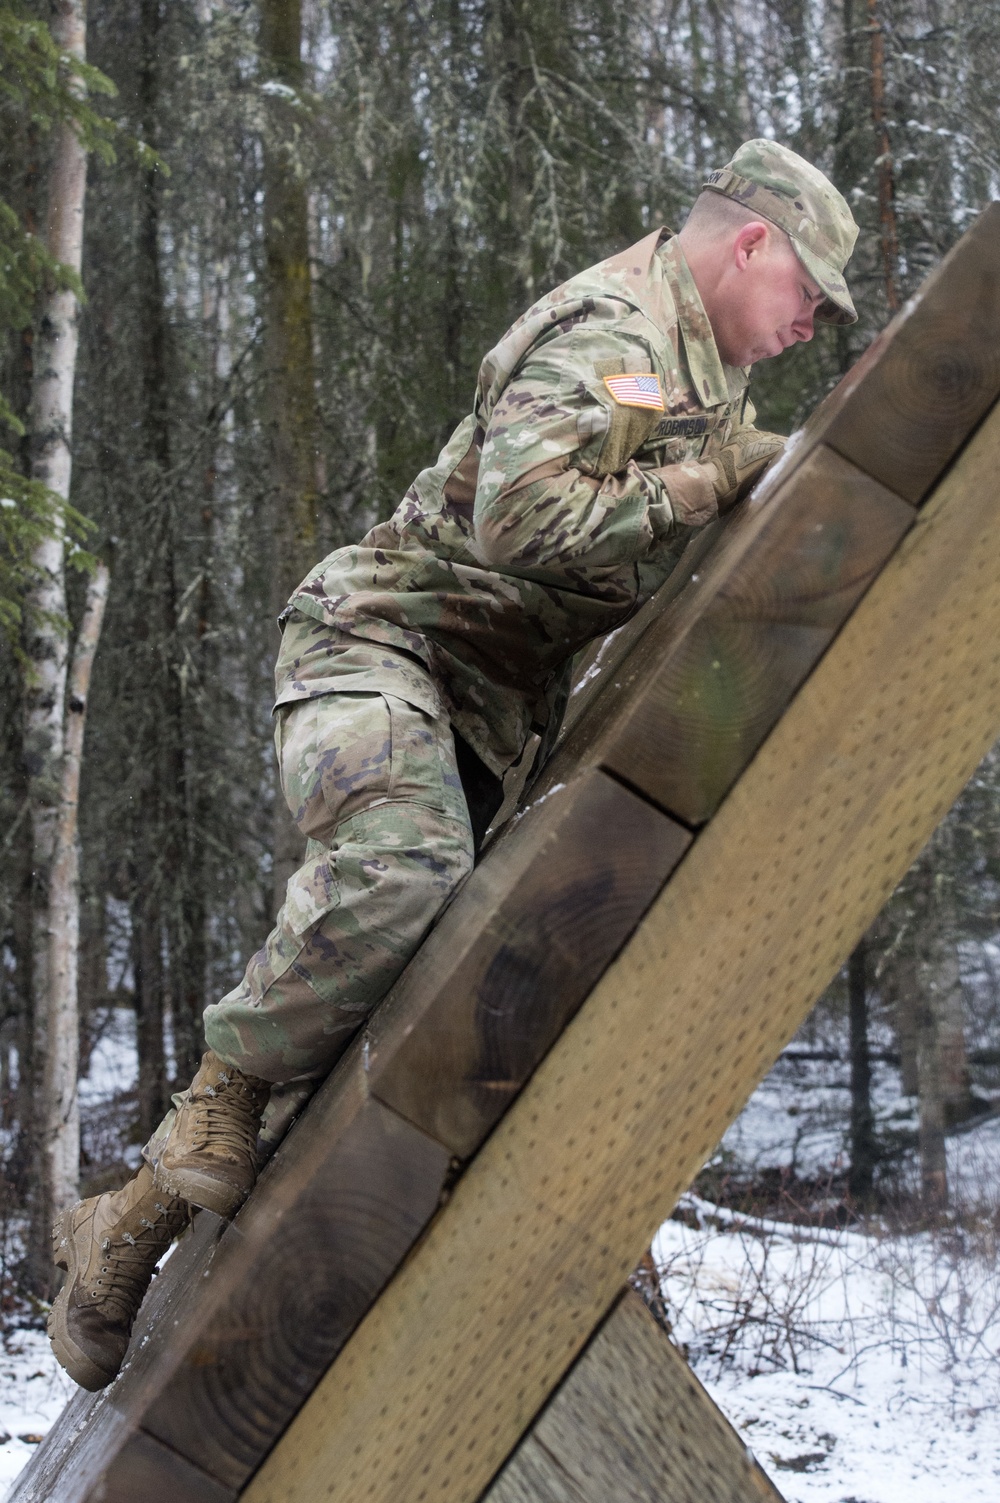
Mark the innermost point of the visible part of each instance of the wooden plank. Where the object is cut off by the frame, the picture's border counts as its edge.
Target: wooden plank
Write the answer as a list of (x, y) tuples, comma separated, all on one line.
[(144, 1471), (630, 1421), (333, 1216), (244, 1330), (218, 1378), (711, 674), (911, 401), (514, 956), (94, 1427), (447, 1371)]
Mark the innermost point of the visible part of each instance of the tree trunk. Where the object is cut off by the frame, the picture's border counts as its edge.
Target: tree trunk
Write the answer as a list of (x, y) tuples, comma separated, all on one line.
[(863, 1148), (51, 415), (901, 982), (290, 375), (160, 837), (883, 163), (62, 1124), (147, 968), (949, 1027), (933, 1157)]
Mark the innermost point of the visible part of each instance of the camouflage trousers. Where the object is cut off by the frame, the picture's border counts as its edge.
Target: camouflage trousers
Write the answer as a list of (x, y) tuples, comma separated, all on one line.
[(373, 783)]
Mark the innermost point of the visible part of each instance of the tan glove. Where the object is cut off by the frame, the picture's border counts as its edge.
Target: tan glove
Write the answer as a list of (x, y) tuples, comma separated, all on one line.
[(702, 489), (741, 462)]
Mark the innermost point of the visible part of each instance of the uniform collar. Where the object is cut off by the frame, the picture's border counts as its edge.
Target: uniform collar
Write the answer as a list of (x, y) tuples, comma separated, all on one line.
[(715, 382)]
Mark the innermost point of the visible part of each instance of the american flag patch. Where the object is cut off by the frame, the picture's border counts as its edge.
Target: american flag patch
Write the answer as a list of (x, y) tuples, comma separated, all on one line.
[(636, 391)]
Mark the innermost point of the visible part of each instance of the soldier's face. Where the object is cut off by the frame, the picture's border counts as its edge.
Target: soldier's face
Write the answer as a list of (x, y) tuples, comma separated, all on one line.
[(769, 299)]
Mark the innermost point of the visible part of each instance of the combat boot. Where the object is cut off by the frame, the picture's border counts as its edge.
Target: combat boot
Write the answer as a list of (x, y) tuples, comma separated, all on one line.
[(210, 1155), (109, 1246)]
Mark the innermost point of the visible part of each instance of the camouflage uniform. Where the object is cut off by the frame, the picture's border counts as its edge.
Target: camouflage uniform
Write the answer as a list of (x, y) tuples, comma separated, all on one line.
[(555, 510)]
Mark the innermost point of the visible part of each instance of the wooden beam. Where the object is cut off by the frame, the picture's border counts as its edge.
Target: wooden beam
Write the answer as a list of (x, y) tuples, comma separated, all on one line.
[(631, 1423), (453, 1363), (246, 1317), (711, 674), (920, 388), (516, 954)]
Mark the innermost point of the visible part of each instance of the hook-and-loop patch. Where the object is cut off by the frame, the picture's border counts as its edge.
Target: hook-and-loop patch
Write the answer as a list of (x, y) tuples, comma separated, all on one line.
[(636, 390)]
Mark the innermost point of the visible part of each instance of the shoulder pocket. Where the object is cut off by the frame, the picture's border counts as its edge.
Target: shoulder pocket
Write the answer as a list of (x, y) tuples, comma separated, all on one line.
[(628, 427)]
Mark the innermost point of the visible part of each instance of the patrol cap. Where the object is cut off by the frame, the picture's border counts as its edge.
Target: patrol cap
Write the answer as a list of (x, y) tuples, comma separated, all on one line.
[(783, 187)]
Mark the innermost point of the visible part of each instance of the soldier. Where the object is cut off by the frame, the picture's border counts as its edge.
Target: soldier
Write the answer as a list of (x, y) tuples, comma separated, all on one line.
[(609, 422)]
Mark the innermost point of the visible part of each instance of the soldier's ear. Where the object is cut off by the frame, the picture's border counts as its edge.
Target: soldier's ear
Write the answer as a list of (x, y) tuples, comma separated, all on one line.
[(750, 240)]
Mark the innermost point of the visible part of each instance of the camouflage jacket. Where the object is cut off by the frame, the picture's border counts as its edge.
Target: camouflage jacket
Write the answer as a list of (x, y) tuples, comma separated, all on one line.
[(554, 511)]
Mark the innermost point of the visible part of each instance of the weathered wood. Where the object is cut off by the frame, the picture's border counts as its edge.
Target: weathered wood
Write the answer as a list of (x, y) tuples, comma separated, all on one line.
[(911, 401), (631, 1422), (514, 956), (218, 1374), (144, 1470), (607, 655), (70, 1464), (335, 1213), (451, 1366), (710, 675)]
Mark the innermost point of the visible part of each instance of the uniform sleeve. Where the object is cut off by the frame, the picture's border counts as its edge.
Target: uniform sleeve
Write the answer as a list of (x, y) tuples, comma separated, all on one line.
[(555, 486)]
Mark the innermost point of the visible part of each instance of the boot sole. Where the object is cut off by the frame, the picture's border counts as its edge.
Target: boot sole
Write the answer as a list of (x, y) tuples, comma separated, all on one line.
[(81, 1367), (201, 1190)]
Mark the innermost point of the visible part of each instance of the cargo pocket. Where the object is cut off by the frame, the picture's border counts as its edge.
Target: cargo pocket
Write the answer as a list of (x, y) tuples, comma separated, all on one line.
[(424, 768), (335, 759)]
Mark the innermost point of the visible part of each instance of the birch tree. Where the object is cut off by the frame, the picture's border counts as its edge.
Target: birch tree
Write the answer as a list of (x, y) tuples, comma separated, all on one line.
[(53, 800)]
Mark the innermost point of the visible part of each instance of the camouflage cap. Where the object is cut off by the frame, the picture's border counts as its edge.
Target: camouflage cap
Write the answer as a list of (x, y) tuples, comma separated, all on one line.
[(786, 189)]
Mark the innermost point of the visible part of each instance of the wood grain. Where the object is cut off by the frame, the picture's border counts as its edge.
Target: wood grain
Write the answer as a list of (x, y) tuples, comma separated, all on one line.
[(631, 1422), (69, 1465), (711, 674), (514, 956), (243, 1324), (451, 1366), (334, 1214), (144, 1471), (912, 400)]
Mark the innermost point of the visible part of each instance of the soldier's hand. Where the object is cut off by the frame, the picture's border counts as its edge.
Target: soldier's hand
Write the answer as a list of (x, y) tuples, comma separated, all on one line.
[(702, 489), (741, 462)]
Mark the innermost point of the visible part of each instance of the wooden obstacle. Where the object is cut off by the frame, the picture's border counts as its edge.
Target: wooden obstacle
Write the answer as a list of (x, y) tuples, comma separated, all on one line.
[(631, 1423), (765, 749)]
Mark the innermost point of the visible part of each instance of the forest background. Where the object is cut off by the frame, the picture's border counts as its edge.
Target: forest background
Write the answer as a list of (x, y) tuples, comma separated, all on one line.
[(304, 223)]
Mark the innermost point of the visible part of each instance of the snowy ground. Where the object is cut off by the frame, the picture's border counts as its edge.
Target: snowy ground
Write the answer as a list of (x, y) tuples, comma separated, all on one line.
[(859, 1369), (33, 1390)]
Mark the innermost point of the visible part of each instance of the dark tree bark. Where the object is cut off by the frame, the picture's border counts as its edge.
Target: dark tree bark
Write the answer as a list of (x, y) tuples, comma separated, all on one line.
[(902, 979), (147, 966), (883, 163), (942, 1069), (931, 1132), (292, 421), (158, 812)]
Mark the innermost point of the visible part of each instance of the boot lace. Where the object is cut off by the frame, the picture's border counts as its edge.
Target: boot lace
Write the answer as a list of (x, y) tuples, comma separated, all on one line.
[(127, 1265), (225, 1118)]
